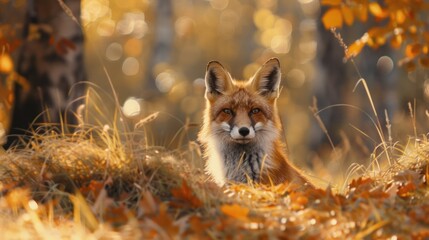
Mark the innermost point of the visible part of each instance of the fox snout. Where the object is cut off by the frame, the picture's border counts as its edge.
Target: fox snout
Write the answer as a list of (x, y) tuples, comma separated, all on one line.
[(242, 132)]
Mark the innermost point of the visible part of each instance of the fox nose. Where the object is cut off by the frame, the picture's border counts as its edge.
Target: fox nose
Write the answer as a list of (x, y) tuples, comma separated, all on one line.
[(244, 131)]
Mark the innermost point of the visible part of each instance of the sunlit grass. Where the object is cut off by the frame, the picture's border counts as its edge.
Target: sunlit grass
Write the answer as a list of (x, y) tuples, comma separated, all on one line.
[(104, 178), (103, 182)]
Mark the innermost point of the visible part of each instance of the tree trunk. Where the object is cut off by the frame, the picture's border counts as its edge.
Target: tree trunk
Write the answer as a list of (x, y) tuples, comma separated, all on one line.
[(335, 83), (51, 59)]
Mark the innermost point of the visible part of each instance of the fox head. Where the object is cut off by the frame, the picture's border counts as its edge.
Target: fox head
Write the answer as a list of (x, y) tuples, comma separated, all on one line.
[(242, 112), (241, 133)]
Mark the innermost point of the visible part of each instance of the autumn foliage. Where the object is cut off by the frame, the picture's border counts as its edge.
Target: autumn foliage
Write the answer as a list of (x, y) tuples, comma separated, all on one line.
[(86, 185), (399, 24)]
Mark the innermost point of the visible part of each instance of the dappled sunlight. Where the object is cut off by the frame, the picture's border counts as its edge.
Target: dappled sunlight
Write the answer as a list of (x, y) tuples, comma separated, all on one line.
[(124, 159)]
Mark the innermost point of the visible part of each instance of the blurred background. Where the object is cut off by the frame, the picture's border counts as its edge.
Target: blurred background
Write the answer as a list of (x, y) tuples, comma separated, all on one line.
[(158, 51), (155, 53)]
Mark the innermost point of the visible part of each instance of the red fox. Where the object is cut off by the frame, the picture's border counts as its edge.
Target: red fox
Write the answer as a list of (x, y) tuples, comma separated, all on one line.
[(241, 133)]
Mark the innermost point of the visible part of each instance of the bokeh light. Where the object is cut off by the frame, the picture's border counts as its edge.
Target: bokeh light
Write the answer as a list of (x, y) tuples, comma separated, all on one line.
[(184, 26), (132, 107), (164, 81), (106, 28), (219, 4), (133, 47), (131, 66), (93, 10), (295, 78), (385, 64), (114, 51), (6, 63), (158, 50)]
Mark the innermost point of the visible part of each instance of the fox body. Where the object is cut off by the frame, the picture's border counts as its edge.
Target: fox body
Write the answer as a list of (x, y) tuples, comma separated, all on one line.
[(242, 134)]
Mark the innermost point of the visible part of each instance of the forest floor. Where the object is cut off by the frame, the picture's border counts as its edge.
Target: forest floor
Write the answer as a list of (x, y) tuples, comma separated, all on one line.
[(98, 184)]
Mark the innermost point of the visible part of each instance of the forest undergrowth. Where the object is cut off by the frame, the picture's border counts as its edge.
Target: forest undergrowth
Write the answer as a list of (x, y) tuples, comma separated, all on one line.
[(102, 182)]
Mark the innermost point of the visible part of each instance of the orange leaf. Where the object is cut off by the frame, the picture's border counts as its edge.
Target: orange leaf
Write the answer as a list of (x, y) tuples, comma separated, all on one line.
[(378, 36), (406, 190), (331, 2), (298, 201), (332, 18), (354, 49), (347, 14), (185, 194), (361, 12), (117, 215), (360, 182), (412, 50), (164, 220), (235, 211), (377, 11), (94, 187)]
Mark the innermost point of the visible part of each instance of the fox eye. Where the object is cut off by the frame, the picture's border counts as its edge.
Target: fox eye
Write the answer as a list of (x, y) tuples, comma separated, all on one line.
[(227, 111), (255, 110)]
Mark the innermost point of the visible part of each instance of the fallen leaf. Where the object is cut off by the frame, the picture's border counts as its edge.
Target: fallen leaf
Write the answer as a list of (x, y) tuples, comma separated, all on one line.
[(186, 196), (166, 221), (361, 183), (298, 201), (406, 190), (116, 215), (235, 211)]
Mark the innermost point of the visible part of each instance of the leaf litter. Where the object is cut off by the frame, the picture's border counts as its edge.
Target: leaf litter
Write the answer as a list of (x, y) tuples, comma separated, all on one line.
[(76, 186)]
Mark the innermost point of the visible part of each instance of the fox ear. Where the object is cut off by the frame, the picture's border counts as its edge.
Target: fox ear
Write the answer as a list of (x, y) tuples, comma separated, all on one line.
[(266, 80), (218, 80)]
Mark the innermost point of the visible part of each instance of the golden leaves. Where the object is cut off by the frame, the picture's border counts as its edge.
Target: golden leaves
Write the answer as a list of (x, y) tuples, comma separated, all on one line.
[(354, 49), (332, 18), (412, 50), (347, 14), (396, 23), (376, 10)]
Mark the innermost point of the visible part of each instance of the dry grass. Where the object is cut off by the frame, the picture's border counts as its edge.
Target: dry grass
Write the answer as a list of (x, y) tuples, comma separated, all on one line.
[(105, 181), (99, 184)]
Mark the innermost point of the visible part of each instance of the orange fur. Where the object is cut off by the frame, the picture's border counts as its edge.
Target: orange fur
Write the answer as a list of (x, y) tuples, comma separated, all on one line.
[(242, 132)]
